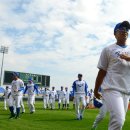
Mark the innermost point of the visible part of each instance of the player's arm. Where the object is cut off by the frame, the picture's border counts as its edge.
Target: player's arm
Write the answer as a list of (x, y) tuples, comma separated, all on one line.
[(125, 57), (36, 88), (25, 90), (74, 88), (86, 87), (99, 80)]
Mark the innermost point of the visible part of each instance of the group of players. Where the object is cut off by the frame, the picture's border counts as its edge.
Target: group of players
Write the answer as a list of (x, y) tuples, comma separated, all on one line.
[(49, 96), (14, 96), (113, 78)]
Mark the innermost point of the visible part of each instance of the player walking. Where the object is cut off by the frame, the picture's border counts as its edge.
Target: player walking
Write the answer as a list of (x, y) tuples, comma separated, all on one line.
[(67, 98), (16, 94), (52, 98), (46, 98), (102, 112), (80, 94), (114, 76), (30, 88), (5, 96), (61, 97)]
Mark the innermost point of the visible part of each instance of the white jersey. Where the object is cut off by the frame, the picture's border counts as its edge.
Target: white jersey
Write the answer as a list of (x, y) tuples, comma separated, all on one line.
[(30, 89), (52, 94), (61, 94), (118, 70), (66, 94), (46, 94), (6, 93), (16, 87), (80, 87)]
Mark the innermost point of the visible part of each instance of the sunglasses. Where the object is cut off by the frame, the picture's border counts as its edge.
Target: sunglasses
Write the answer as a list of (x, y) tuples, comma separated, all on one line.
[(123, 30)]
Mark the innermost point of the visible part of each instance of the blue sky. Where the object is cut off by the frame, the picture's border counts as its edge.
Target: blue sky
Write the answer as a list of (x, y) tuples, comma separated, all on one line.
[(60, 38)]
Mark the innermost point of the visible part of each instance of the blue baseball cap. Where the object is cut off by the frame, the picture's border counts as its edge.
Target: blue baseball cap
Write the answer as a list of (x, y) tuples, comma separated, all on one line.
[(125, 25), (16, 74), (97, 103), (30, 79)]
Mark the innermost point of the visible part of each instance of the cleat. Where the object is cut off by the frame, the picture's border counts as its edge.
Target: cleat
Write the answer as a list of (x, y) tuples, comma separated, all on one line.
[(12, 116), (81, 117), (17, 117), (31, 112), (77, 118)]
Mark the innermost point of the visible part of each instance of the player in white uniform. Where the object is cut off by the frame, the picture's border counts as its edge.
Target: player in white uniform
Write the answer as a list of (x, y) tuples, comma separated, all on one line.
[(80, 94), (52, 98), (46, 93), (22, 104), (30, 88), (67, 96), (16, 94), (101, 114), (6, 97), (61, 98), (91, 97), (114, 77)]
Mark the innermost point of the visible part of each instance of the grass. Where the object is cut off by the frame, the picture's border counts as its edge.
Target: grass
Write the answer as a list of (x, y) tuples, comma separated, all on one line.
[(53, 120)]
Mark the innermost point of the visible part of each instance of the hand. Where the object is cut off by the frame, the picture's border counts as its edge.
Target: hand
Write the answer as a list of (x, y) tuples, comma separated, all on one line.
[(97, 95), (125, 57)]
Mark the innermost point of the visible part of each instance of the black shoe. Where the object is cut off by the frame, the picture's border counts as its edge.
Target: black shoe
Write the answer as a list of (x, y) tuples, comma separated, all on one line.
[(81, 117), (31, 112), (22, 112), (77, 118), (12, 116), (17, 117)]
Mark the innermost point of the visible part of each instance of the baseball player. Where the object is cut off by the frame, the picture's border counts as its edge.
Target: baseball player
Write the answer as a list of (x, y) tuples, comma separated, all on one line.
[(52, 98), (22, 105), (16, 94), (66, 98), (61, 98), (80, 94), (114, 76), (102, 112), (30, 88), (6, 98), (46, 93), (91, 97)]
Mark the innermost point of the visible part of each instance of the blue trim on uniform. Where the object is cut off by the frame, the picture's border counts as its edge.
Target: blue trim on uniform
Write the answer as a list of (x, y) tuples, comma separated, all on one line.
[(74, 87), (123, 46), (35, 88), (25, 89), (86, 86)]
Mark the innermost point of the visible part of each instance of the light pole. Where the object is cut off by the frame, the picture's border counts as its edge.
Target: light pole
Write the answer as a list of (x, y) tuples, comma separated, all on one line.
[(3, 50)]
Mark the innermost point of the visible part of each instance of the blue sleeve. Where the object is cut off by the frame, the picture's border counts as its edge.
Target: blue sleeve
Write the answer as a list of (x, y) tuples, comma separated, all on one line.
[(25, 90), (74, 88), (86, 87), (35, 88)]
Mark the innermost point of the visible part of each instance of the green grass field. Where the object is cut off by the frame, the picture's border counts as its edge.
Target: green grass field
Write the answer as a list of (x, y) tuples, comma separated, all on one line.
[(53, 120)]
